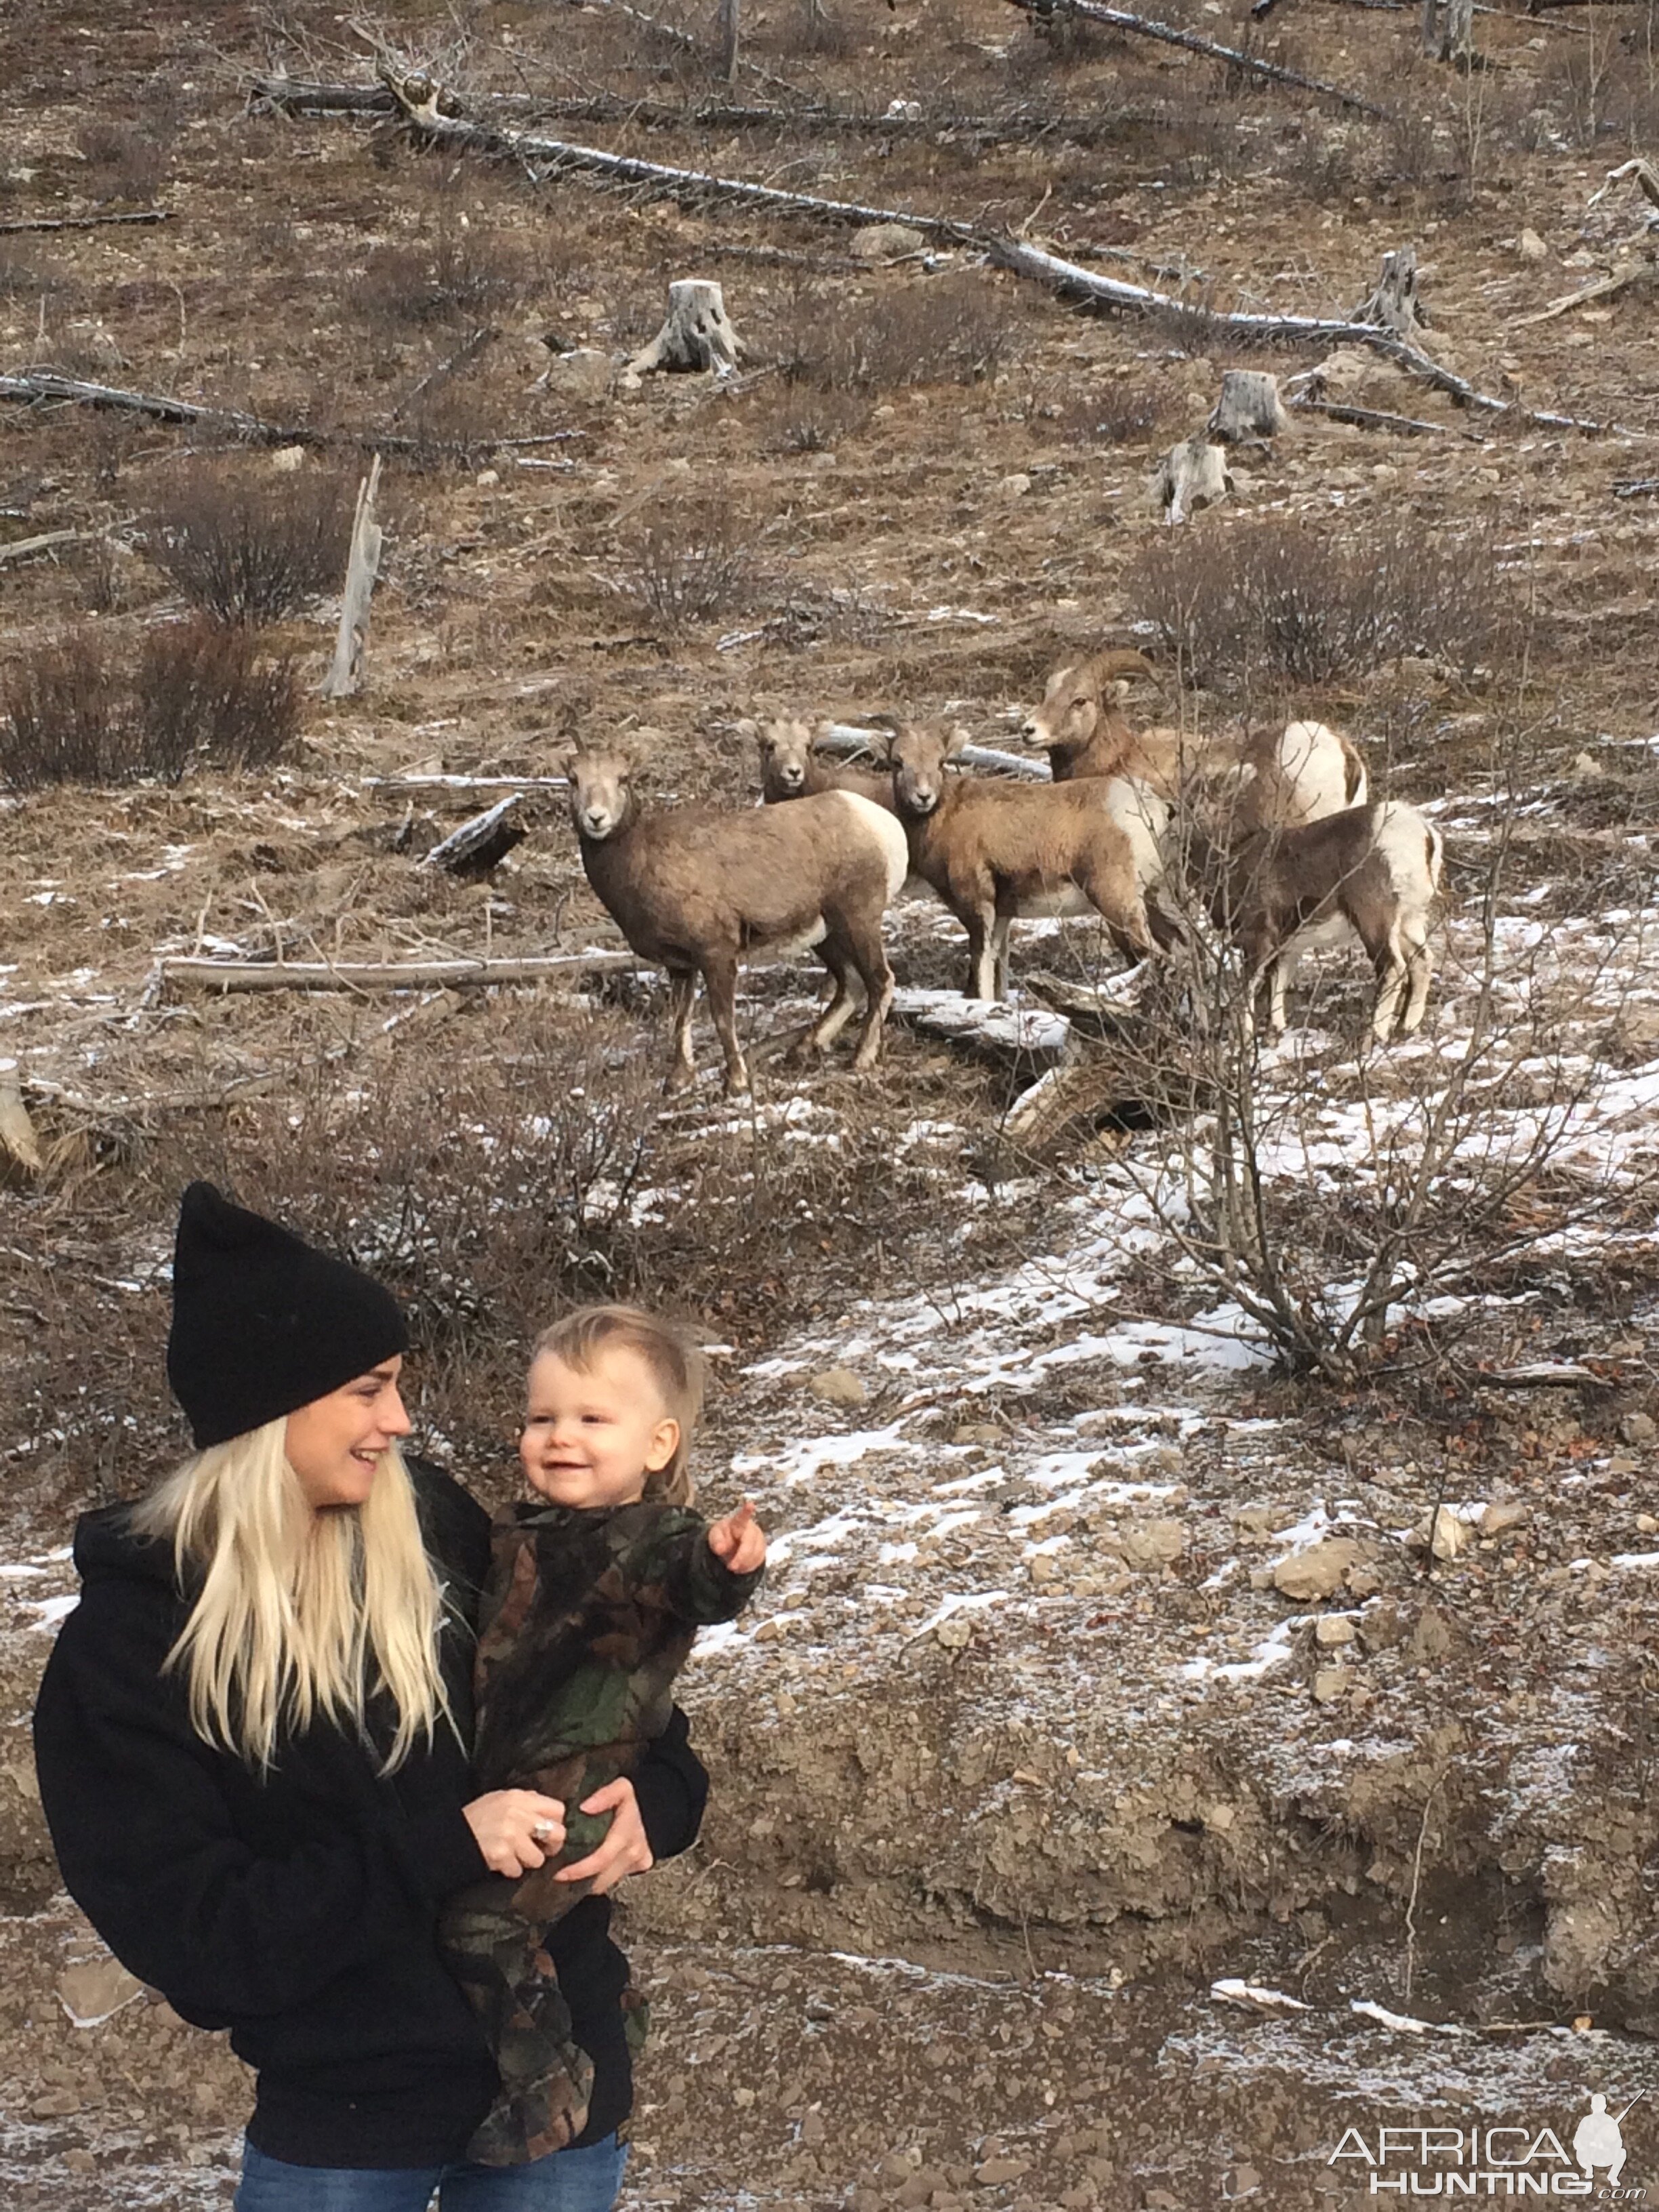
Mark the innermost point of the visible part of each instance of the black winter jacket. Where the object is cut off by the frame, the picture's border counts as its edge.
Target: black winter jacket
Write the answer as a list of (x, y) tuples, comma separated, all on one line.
[(299, 1911)]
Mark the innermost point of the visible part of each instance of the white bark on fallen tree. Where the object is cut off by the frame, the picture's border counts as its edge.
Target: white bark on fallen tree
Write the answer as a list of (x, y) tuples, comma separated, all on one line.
[(193, 975), (17, 224), (846, 739), (1145, 27)]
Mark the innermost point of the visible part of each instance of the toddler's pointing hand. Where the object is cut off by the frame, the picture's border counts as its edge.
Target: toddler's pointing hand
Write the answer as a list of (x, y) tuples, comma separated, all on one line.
[(738, 1542)]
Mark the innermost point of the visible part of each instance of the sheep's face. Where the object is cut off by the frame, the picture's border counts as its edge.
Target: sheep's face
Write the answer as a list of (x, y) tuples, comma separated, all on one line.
[(1069, 712), (786, 750), (918, 757), (600, 792)]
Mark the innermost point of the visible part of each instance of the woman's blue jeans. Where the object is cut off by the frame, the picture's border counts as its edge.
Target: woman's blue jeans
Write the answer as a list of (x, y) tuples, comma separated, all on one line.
[(586, 2180)]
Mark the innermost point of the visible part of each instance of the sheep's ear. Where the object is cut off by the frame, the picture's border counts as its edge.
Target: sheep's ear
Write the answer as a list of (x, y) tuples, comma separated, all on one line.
[(564, 760), (958, 739), (749, 730)]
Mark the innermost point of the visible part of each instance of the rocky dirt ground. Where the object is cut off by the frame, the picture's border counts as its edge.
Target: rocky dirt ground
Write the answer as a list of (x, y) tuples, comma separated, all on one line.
[(1106, 1705)]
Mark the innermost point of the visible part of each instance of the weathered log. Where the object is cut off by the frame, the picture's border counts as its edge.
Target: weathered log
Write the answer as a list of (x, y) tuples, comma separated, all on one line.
[(729, 27), (419, 781), (193, 975), (1012, 1037), (1448, 32), (696, 334), (1604, 288), (362, 566), (1249, 411), (17, 224), (1393, 305), (1642, 174), (484, 843), (1145, 27), (24, 549), (1191, 475), (846, 738), (1375, 418)]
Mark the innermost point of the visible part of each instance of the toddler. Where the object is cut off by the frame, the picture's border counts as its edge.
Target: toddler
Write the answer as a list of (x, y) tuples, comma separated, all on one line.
[(596, 1586)]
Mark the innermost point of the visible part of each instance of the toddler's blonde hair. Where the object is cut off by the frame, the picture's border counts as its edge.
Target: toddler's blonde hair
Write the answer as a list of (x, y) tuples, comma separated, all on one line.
[(676, 1363)]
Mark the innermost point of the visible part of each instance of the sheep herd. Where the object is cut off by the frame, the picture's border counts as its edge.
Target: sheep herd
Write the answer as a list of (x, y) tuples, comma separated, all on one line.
[(1278, 837)]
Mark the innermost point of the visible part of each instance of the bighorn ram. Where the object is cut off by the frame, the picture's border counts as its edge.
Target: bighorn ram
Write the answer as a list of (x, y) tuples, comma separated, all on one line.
[(1081, 726), (790, 769), (1370, 871), (995, 850), (695, 890)]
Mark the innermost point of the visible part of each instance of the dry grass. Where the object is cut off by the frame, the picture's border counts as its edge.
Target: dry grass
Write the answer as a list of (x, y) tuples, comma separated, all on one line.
[(956, 329)]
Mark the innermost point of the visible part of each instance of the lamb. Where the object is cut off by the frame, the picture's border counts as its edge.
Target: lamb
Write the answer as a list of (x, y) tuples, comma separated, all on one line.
[(1370, 871), (695, 890), (1082, 729), (995, 850), (1308, 772), (790, 769)]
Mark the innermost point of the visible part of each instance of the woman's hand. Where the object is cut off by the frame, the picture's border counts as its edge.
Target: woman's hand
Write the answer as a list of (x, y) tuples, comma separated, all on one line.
[(624, 1850), (518, 1829)]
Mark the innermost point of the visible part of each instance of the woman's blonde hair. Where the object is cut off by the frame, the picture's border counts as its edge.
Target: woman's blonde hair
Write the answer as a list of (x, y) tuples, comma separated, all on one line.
[(299, 1615), (677, 1368)]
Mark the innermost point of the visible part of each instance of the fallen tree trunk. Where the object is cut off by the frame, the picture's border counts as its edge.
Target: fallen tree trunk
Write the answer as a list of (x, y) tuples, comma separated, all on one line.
[(1374, 418), (1028, 1038), (1145, 27), (845, 738), (23, 549), (16, 223), (484, 843), (193, 974)]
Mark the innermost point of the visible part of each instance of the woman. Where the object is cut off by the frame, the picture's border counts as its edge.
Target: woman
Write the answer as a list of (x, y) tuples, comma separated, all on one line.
[(252, 1745)]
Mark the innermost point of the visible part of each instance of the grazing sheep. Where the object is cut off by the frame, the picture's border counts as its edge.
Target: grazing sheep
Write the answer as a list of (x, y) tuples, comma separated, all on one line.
[(790, 769), (1369, 872), (995, 850), (697, 890)]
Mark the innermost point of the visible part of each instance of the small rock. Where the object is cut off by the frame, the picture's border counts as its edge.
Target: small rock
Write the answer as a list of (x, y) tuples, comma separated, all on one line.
[(1330, 1683), (56, 2105), (1449, 1535), (1016, 486), (978, 1433), (287, 458), (1151, 1544), (1332, 1629), (772, 1629), (993, 2170), (585, 374), (1638, 1429), (839, 1386), (90, 1993), (1531, 247), (883, 242), (485, 477), (1319, 1571), (1045, 1568), (956, 1633), (1502, 1514), (1647, 1525), (1586, 768)]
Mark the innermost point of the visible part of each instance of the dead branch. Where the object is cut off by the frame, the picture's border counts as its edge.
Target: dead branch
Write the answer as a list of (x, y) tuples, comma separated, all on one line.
[(1642, 174), (1145, 27), (17, 224), (1603, 288), (846, 739), (1635, 487), (1374, 418), (23, 549), (417, 781), (193, 975)]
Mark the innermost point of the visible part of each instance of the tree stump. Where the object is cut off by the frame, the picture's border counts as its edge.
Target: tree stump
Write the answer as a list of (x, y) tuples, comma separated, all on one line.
[(362, 566), (698, 334), (728, 40), (1448, 32), (1191, 475), (1394, 304), (1249, 411)]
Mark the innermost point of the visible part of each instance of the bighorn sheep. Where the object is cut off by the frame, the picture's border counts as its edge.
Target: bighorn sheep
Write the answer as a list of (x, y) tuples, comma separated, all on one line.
[(1081, 726), (790, 769), (1369, 872), (995, 850), (1306, 772), (695, 890)]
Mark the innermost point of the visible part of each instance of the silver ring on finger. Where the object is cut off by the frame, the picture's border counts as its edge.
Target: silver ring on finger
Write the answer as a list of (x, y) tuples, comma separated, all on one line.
[(541, 1830)]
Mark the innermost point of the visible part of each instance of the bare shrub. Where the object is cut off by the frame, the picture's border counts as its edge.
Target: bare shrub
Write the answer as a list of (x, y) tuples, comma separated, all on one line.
[(209, 694), (124, 162), (247, 546), (946, 330), (75, 710), (688, 564), (60, 720), (22, 274), (816, 418), (1276, 598), (1113, 411), (464, 271)]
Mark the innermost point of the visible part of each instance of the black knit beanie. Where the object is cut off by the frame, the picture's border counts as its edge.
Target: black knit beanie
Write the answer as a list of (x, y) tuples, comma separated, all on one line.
[(262, 1324)]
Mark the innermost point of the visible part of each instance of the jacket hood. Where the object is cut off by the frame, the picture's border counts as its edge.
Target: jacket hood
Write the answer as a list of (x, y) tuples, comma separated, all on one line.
[(108, 1548)]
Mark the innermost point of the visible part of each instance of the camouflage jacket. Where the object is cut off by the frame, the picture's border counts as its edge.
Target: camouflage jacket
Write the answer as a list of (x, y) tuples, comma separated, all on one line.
[(587, 1616)]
